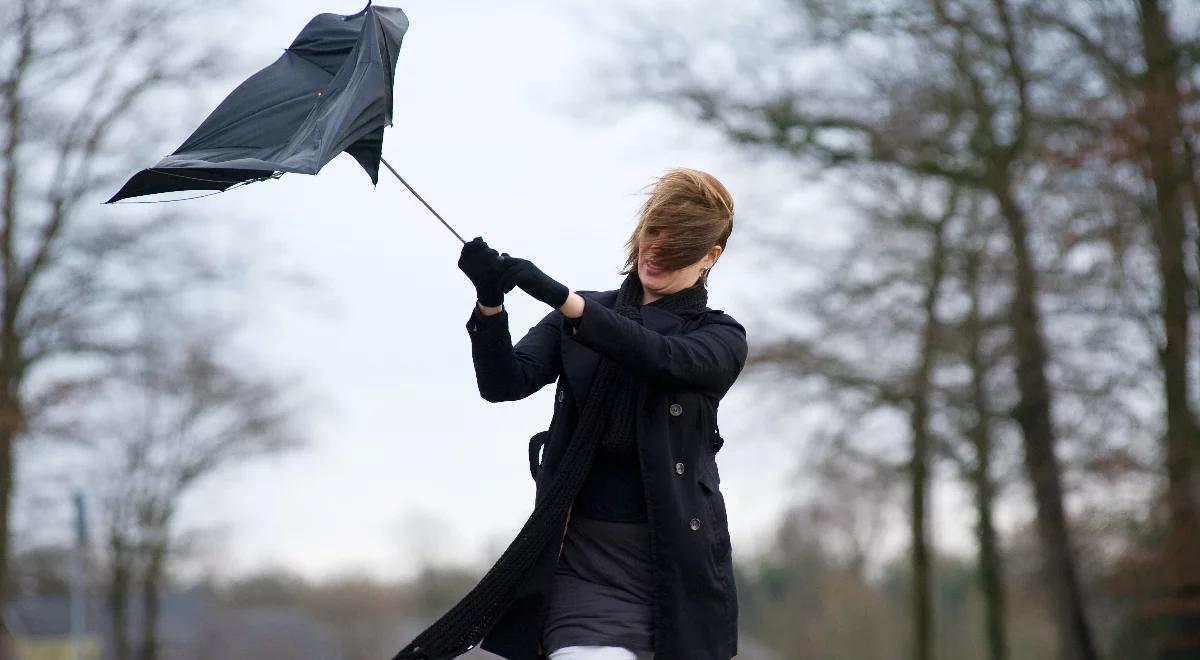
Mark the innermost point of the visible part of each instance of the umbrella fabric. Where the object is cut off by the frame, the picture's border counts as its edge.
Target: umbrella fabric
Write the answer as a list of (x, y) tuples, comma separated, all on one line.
[(330, 91)]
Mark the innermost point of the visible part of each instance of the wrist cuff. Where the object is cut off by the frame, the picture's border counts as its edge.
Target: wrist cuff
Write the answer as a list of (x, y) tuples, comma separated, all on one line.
[(489, 298)]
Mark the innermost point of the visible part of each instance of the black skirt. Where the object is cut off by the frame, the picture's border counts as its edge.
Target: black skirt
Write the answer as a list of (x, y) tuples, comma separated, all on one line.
[(603, 589)]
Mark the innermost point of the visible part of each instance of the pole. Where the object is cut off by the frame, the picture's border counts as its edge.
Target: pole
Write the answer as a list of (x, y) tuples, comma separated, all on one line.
[(421, 199), (78, 614)]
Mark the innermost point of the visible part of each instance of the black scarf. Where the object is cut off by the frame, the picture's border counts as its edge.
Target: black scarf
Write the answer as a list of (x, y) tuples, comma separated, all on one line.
[(608, 421)]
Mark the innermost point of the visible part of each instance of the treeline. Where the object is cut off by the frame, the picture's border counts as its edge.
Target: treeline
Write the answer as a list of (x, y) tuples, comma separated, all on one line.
[(801, 596)]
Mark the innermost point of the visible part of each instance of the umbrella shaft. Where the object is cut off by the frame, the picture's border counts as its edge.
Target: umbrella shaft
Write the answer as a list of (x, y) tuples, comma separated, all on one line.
[(421, 199)]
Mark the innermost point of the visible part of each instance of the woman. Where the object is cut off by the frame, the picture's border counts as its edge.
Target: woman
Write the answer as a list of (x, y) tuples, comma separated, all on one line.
[(626, 555)]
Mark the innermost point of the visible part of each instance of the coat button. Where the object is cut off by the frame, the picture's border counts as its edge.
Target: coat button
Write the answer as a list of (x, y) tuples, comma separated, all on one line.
[(679, 468), (694, 524), (560, 396), (676, 410)]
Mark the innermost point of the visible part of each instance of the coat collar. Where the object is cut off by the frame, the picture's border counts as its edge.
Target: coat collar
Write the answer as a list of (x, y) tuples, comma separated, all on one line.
[(579, 361)]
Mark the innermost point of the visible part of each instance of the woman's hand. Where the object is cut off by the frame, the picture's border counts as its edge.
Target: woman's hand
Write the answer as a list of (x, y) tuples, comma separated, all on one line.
[(481, 264), (518, 272)]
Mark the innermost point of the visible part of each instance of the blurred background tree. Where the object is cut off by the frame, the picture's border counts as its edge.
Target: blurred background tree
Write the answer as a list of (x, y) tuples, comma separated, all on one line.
[(175, 410), (88, 359), (72, 105)]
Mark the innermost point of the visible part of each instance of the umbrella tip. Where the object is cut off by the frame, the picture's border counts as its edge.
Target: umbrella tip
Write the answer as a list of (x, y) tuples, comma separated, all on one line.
[(364, 10)]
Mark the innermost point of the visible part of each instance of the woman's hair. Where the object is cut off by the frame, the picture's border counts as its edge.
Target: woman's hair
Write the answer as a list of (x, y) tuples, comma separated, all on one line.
[(688, 212)]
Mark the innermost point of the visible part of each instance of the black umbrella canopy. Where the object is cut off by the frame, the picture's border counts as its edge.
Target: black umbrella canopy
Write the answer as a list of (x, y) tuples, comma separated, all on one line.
[(330, 91)]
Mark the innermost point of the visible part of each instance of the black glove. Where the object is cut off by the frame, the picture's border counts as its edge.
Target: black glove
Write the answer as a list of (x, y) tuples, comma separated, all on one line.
[(482, 265), (521, 272)]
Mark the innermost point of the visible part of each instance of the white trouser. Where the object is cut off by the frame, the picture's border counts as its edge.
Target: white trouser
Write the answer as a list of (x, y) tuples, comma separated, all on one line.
[(598, 653)]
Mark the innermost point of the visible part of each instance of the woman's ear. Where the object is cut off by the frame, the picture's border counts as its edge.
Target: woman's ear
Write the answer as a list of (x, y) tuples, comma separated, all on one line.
[(713, 255)]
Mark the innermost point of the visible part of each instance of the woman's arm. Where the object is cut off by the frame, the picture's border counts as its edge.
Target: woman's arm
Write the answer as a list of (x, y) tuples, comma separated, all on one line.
[(573, 308), (505, 372), (710, 357)]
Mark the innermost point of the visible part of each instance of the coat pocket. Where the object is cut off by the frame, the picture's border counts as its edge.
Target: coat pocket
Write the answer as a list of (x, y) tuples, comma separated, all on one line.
[(535, 452), (718, 522)]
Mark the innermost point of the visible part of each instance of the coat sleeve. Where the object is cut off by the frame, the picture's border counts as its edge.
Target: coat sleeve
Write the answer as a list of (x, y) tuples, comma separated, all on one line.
[(708, 358), (505, 372)]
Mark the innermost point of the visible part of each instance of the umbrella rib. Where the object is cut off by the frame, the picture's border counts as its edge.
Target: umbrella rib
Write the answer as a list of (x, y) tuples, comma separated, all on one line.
[(421, 199)]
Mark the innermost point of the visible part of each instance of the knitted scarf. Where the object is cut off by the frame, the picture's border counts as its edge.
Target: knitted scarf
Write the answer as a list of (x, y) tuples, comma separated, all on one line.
[(608, 418)]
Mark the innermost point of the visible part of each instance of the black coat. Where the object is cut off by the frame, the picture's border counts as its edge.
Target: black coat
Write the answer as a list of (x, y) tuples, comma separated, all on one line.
[(685, 366)]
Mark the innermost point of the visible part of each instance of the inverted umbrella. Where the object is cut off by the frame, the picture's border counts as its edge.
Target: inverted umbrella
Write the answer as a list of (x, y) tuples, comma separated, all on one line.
[(330, 91)]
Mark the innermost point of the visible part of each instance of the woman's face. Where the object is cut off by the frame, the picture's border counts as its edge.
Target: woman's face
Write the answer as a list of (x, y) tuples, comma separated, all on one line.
[(658, 282)]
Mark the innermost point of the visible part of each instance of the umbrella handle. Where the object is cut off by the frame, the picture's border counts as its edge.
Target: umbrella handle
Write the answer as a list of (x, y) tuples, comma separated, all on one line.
[(421, 199)]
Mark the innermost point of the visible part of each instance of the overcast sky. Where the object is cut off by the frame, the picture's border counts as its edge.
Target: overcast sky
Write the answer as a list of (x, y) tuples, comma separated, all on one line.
[(492, 125)]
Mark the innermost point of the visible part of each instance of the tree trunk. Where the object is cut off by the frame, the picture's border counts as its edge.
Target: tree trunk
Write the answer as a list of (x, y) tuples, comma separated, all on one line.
[(922, 611), (1161, 110), (922, 599), (1161, 120), (10, 363), (990, 562), (118, 600), (6, 480), (991, 565), (1033, 413), (150, 602), (11, 424), (1193, 172)]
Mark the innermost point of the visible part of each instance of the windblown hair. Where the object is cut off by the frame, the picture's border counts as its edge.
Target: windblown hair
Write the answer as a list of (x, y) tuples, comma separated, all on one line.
[(686, 214)]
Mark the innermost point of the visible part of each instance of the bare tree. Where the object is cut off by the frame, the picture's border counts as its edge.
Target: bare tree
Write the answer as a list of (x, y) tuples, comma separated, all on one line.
[(889, 284), (178, 410), (922, 395), (979, 429), (1161, 114), (76, 85)]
